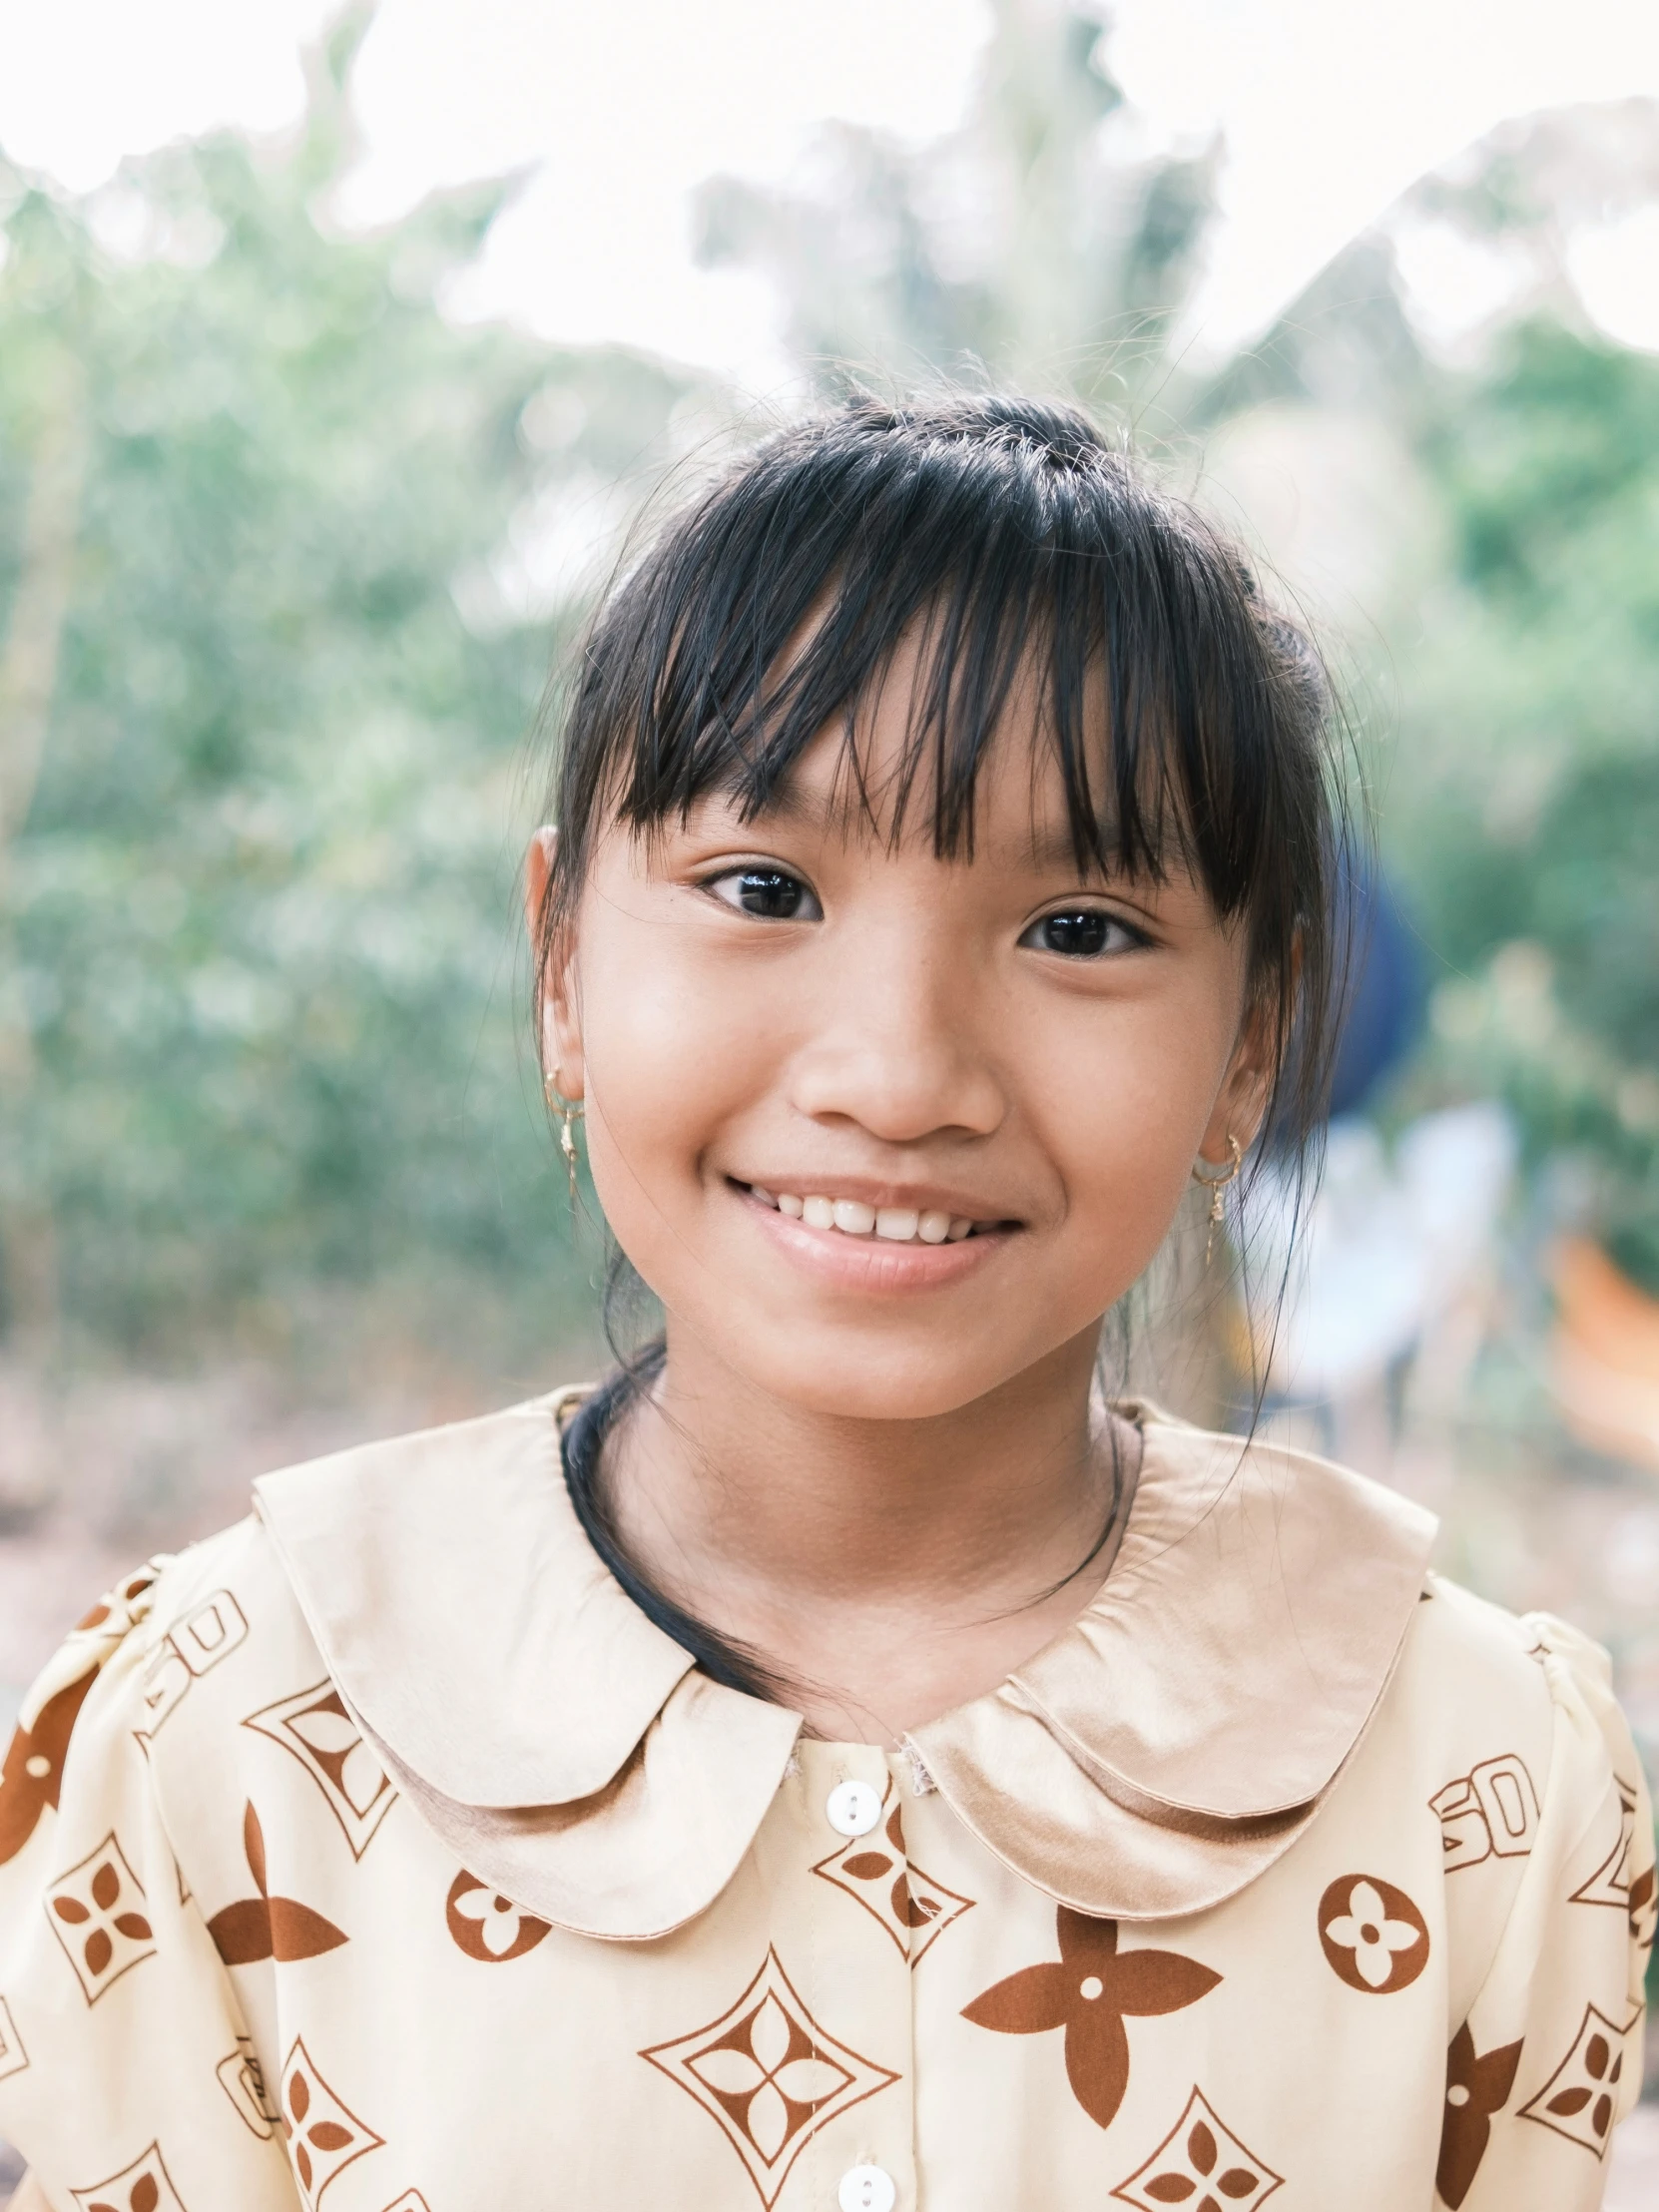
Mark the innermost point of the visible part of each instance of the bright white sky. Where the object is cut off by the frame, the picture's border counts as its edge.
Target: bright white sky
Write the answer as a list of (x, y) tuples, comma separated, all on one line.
[(1329, 109)]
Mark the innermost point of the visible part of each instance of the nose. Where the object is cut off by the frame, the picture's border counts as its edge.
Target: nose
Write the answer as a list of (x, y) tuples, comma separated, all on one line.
[(901, 1043)]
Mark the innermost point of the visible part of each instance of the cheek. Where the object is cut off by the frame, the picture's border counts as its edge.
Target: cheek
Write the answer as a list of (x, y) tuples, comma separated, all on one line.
[(1124, 1110), (670, 1053)]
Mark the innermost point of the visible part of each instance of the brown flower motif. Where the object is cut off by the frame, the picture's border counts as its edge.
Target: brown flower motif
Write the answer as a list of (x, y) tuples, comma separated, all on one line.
[(1477, 2087), (488, 1927), (33, 1773), (1372, 1934), (264, 1926), (1089, 1991)]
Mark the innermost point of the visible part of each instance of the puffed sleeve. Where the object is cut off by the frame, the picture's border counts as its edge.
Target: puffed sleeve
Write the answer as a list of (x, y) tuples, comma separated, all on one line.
[(127, 2076), (1549, 2058)]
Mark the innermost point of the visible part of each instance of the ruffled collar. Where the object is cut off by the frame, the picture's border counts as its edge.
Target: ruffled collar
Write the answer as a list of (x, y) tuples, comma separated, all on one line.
[(1153, 1759)]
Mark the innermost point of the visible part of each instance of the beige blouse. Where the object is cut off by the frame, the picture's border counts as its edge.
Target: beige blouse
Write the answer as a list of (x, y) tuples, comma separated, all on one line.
[(380, 1854)]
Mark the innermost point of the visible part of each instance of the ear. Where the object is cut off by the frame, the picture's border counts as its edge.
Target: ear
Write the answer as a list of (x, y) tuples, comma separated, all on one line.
[(1241, 1101), (555, 962)]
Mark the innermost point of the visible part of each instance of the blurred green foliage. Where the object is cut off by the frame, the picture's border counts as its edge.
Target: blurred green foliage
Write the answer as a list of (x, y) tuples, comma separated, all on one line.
[(1526, 816), (279, 589), (257, 869), (1040, 243), (1517, 760)]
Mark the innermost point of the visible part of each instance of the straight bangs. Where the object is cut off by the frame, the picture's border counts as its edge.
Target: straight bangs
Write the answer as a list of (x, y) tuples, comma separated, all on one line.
[(1039, 579)]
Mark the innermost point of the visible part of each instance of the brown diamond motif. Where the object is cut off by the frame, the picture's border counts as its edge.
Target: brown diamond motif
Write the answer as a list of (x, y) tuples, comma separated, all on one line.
[(1644, 1910), (97, 1912), (1201, 2164), (13, 2057), (329, 1744), (912, 1908), (768, 2075), (325, 2135), (1579, 2099), (1610, 1884), (144, 2186)]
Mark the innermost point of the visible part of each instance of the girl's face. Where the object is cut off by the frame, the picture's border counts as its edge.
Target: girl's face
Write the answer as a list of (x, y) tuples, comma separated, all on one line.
[(763, 1016)]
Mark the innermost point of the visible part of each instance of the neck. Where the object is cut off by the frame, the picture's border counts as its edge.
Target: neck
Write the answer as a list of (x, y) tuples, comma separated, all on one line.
[(830, 1544)]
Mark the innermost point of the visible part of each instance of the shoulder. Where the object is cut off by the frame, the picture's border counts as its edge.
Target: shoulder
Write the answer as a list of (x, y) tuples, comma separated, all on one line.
[(180, 1649), (1474, 1715), (1458, 1644), (1471, 1673), (224, 1626), (1508, 1727)]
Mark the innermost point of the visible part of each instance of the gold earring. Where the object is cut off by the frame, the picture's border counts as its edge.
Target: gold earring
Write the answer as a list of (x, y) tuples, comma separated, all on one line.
[(1215, 1185), (569, 1111)]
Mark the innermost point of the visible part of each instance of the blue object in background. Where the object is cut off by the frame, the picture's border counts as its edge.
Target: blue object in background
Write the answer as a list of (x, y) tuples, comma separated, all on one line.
[(1385, 995)]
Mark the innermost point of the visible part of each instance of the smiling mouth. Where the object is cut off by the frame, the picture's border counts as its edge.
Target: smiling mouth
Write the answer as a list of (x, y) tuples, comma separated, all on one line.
[(851, 1217)]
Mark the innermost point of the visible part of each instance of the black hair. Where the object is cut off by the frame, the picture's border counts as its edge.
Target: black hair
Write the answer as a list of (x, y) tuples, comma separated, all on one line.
[(1011, 538)]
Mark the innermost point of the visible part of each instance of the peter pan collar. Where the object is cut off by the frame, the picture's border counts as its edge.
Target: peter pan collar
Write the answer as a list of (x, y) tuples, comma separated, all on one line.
[(1153, 1759)]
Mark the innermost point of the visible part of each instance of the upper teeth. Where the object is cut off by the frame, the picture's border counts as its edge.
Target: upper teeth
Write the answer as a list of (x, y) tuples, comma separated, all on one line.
[(900, 1224)]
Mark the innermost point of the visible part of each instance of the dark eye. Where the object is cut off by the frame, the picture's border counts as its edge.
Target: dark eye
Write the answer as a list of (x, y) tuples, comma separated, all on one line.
[(768, 892), (1081, 933)]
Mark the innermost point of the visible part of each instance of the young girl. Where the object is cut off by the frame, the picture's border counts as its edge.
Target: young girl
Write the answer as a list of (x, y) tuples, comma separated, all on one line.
[(843, 1760)]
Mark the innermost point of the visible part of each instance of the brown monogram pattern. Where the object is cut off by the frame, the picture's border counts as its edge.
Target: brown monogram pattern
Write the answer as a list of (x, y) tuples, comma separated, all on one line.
[(13, 2057), (315, 1727), (1610, 1884), (1373, 1935), (98, 1912), (768, 2075), (144, 2186), (488, 1927), (1642, 1912), (1478, 2086), (242, 2078), (33, 1771), (325, 2135), (31, 1776), (190, 1648), (1577, 2100), (264, 1926), (117, 1610), (1089, 1991), (1491, 1812), (1203, 2165), (912, 1908)]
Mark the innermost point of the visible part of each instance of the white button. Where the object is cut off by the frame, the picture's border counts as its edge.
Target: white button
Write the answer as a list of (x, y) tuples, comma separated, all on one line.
[(853, 1809), (865, 2188)]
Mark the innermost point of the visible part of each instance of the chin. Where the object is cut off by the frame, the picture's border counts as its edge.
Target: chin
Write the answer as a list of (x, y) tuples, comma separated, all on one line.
[(857, 1382)]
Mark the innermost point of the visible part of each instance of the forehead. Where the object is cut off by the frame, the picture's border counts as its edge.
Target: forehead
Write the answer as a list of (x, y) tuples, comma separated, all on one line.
[(898, 769), (855, 792)]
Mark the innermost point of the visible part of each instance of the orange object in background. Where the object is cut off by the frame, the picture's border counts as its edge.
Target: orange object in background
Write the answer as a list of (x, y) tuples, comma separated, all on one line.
[(1604, 1357)]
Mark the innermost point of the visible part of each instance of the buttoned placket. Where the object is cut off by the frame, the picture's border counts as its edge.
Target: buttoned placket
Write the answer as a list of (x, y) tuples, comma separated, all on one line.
[(833, 1859)]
